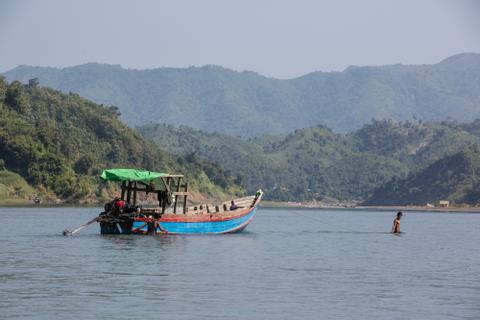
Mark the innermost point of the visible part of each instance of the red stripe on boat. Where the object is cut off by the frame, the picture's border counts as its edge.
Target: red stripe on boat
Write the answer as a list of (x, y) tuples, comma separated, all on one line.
[(203, 217)]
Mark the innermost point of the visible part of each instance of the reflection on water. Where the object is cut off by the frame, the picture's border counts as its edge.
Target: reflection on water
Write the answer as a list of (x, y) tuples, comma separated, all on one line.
[(300, 264)]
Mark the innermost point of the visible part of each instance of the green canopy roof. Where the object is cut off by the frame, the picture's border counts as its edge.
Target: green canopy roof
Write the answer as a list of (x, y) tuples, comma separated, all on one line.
[(131, 175)]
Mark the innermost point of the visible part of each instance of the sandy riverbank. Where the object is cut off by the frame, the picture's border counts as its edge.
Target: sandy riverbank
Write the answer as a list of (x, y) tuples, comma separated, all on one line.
[(275, 204)]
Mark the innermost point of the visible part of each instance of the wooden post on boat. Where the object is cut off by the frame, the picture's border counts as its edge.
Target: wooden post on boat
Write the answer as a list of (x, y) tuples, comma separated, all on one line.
[(167, 185), (164, 201), (164, 194), (134, 193), (185, 198), (124, 185), (129, 191), (159, 197), (179, 180)]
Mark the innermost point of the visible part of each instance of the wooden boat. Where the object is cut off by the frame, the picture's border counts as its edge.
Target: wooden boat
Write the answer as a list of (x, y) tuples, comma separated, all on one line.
[(125, 216)]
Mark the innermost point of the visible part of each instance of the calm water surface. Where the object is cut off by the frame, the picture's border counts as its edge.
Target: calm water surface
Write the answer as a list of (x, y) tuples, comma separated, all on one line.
[(288, 264)]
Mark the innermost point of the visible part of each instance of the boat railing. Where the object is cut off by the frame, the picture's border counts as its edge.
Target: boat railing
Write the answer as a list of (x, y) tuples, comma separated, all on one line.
[(203, 208)]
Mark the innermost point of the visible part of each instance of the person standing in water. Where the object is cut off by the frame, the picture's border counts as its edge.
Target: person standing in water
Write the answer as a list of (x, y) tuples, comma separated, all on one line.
[(396, 223)]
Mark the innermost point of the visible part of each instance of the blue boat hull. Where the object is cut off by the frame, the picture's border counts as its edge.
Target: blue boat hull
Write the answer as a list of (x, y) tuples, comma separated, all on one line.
[(215, 226)]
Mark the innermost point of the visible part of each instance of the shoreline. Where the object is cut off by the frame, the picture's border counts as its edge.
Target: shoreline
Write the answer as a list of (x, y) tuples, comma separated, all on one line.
[(266, 204), (290, 205)]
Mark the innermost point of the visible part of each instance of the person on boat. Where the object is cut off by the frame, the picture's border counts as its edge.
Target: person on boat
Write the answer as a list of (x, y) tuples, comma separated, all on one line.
[(118, 205), (396, 223), (233, 205), (138, 211)]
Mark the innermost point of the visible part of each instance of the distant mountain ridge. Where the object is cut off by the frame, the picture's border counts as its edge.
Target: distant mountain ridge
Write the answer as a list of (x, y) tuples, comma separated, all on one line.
[(213, 98)]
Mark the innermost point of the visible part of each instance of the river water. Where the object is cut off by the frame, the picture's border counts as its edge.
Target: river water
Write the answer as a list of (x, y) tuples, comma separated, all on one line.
[(288, 264)]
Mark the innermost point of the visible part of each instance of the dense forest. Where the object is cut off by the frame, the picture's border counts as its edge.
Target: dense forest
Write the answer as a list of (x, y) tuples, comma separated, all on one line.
[(453, 177), (213, 98), (316, 163), (59, 143)]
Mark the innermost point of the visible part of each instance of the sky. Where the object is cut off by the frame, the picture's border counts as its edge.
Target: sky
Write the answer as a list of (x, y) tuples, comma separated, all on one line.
[(281, 39)]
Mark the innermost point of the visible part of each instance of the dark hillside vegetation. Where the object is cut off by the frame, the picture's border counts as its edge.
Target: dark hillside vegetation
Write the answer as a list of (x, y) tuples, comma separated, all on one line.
[(315, 163), (454, 178), (59, 143)]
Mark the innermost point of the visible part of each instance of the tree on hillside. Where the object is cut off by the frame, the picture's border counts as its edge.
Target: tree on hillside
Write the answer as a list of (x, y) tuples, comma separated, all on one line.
[(17, 98), (3, 88), (34, 82)]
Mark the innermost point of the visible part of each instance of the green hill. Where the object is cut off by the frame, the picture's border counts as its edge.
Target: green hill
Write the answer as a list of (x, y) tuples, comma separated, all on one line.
[(453, 178), (59, 143), (315, 163), (212, 98), (14, 189)]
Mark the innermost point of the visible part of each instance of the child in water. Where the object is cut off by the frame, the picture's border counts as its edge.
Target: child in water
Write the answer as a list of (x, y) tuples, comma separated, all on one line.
[(396, 223)]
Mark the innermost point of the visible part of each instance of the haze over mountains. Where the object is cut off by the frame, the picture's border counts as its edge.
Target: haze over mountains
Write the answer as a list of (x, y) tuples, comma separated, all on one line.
[(213, 98)]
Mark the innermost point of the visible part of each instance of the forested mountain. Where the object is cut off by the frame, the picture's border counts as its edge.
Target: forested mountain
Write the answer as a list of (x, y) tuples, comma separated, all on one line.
[(453, 178), (212, 98), (59, 143), (315, 162)]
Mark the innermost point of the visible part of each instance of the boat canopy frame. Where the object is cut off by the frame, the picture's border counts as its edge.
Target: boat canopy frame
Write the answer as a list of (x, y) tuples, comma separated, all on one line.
[(172, 187)]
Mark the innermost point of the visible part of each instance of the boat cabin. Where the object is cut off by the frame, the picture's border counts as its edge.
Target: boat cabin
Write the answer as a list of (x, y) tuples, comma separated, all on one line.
[(170, 189)]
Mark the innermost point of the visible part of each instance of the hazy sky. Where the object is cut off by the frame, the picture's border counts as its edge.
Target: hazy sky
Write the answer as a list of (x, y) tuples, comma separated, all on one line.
[(276, 38)]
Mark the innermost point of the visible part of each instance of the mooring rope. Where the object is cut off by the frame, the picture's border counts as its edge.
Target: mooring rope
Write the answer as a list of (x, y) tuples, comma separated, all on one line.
[(319, 220)]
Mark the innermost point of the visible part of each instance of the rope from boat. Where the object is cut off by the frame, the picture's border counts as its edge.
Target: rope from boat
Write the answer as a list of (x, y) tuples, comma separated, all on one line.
[(319, 220)]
